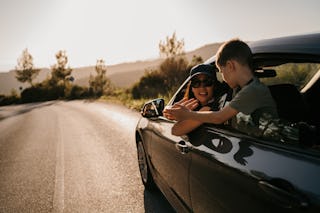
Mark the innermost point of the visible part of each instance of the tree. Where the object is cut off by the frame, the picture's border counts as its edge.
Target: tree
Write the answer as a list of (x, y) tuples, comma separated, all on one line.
[(196, 60), (174, 71), (150, 85), (99, 83), (24, 70), (59, 73), (171, 47), (169, 75)]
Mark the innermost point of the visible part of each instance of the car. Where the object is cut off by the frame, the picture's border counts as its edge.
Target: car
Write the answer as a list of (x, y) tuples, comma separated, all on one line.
[(235, 166)]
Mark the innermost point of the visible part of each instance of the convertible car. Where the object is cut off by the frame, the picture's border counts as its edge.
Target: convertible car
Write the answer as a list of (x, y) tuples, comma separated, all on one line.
[(237, 166)]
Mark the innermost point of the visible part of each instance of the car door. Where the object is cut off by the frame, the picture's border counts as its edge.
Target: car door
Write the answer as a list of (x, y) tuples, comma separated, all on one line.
[(170, 162), (232, 172)]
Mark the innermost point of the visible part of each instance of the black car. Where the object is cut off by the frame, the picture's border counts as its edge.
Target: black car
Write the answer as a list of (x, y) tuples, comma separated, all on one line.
[(237, 167)]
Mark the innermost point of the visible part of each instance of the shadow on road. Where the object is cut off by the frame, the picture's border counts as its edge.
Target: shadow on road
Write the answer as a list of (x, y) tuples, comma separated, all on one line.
[(21, 109), (155, 202)]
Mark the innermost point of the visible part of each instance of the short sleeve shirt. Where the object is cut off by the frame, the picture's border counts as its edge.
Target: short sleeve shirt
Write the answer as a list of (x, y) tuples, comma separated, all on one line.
[(254, 98)]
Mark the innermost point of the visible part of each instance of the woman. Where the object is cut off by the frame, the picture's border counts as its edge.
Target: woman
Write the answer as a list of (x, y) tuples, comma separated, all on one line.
[(205, 88)]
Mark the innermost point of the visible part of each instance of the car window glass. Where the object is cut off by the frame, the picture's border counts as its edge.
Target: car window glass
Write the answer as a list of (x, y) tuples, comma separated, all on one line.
[(180, 93), (182, 90), (298, 74)]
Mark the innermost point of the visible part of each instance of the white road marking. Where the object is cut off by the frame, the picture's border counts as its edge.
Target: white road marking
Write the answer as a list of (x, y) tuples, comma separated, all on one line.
[(58, 197)]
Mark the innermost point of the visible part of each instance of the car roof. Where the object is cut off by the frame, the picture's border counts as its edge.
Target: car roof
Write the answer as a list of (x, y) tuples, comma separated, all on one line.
[(307, 44), (299, 44)]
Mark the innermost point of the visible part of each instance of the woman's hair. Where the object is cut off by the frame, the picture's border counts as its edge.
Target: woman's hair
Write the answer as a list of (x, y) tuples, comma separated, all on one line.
[(188, 93)]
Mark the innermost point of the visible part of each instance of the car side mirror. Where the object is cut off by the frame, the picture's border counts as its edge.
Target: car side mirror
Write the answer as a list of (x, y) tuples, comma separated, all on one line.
[(153, 108)]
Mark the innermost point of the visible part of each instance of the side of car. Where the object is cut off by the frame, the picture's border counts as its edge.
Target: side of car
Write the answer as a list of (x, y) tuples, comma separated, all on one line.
[(239, 167), (162, 148)]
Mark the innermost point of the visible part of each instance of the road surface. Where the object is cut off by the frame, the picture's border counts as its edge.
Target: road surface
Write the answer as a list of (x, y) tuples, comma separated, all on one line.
[(76, 156)]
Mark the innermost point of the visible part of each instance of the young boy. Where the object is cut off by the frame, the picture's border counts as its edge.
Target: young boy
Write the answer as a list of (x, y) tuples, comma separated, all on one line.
[(234, 61)]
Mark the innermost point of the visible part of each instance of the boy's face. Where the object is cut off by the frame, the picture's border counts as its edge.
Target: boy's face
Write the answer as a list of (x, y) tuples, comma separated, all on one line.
[(227, 73)]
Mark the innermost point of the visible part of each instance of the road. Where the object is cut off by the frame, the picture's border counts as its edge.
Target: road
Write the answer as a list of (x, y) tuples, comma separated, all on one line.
[(76, 156)]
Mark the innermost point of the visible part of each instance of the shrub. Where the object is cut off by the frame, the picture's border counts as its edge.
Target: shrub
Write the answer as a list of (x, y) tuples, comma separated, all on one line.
[(9, 100), (77, 92), (155, 83), (150, 85)]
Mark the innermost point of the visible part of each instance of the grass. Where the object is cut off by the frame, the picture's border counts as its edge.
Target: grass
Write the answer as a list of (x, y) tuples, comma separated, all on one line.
[(124, 98)]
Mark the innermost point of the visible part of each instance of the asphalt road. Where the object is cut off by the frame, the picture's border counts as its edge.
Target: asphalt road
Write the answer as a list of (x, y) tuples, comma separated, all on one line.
[(75, 156)]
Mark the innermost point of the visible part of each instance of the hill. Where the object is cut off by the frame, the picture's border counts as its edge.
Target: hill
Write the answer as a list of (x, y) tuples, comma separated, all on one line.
[(121, 75)]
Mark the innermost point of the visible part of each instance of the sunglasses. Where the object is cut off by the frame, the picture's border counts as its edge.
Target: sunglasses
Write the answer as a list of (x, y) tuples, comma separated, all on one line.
[(196, 83)]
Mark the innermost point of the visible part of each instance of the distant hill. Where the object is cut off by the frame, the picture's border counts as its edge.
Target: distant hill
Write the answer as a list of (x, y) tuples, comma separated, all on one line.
[(121, 75)]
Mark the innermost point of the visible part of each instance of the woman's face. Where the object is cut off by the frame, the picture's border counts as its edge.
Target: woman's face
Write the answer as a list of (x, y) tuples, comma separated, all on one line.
[(202, 88)]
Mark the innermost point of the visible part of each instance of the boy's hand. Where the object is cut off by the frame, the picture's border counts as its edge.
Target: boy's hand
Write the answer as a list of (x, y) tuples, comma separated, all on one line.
[(179, 111), (190, 104), (167, 114)]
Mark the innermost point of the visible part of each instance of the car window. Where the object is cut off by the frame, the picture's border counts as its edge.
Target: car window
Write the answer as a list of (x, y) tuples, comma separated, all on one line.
[(180, 93), (298, 74), (298, 122), (222, 92)]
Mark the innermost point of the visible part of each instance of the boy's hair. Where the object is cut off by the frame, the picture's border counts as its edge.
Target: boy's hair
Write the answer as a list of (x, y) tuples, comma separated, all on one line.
[(237, 50)]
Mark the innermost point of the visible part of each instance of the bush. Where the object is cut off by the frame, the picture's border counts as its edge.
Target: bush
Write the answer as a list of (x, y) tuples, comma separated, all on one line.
[(78, 92), (41, 93), (150, 85), (172, 72), (8, 100)]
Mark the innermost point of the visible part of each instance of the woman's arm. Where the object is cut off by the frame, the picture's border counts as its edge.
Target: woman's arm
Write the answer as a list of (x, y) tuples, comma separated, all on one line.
[(181, 113)]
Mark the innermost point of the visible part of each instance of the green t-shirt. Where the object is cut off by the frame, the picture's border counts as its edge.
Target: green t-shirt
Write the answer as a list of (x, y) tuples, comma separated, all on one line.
[(255, 99)]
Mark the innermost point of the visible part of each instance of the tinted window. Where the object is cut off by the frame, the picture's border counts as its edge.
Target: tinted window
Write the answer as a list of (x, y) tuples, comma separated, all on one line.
[(298, 74), (180, 93)]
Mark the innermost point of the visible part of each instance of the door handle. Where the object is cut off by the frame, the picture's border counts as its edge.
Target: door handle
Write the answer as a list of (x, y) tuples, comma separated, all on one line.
[(182, 147), (284, 193)]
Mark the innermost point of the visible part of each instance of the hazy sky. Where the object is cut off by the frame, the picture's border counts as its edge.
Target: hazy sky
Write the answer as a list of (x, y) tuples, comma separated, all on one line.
[(130, 30)]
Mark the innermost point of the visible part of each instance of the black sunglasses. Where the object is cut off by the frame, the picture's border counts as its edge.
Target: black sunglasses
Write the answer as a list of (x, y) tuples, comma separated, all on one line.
[(196, 83)]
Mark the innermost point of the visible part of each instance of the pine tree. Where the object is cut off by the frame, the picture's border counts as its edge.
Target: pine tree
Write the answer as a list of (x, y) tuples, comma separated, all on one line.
[(24, 70), (60, 73), (99, 83), (171, 47)]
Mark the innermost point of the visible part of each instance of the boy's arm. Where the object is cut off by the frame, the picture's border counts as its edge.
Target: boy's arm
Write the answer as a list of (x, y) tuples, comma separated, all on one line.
[(186, 126), (215, 117)]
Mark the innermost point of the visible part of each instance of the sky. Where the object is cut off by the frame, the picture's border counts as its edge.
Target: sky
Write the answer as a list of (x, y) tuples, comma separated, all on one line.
[(121, 31)]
